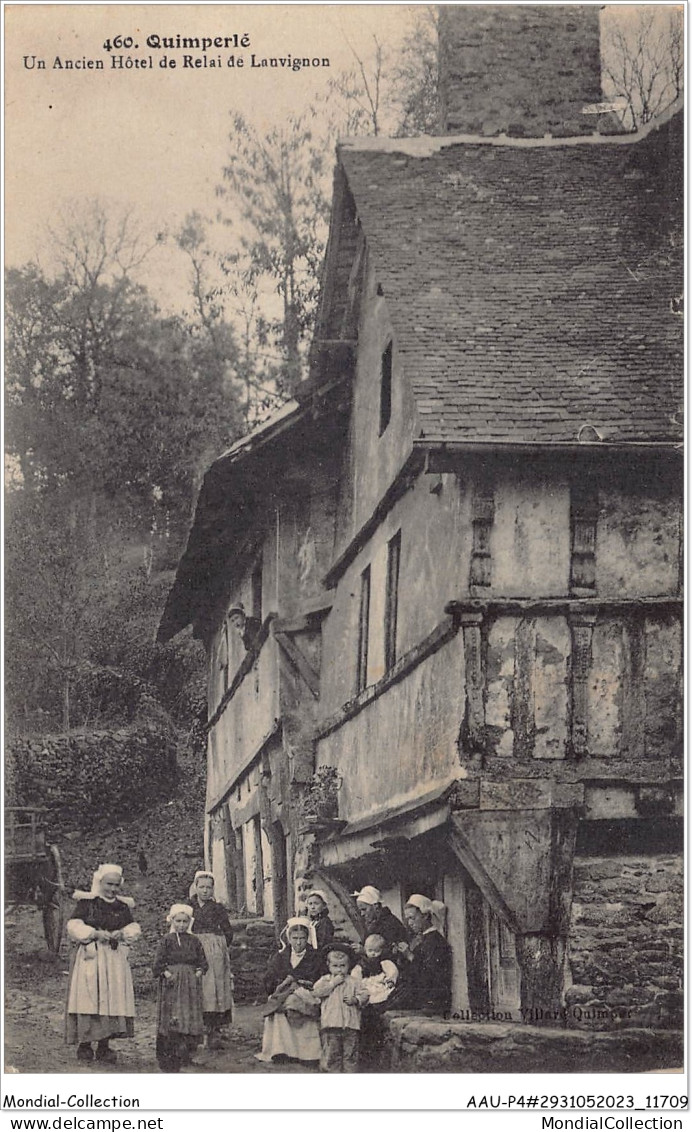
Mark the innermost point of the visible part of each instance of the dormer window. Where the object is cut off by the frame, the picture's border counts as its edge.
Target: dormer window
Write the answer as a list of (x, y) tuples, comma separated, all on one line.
[(386, 387)]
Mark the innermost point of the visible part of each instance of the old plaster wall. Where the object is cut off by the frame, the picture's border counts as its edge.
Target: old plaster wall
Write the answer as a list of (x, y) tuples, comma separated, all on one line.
[(638, 541), (404, 741), (633, 691), (374, 460), (626, 942), (527, 708), (635, 687), (638, 534), (246, 721), (435, 552), (294, 551), (305, 533), (530, 537)]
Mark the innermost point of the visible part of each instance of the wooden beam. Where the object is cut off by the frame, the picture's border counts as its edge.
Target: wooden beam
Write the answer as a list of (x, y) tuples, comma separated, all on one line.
[(298, 659), (244, 668), (480, 877), (326, 880), (410, 660), (308, 619), (247, 762), (259, 866), (563, 605), (403, 481), (230, 851)]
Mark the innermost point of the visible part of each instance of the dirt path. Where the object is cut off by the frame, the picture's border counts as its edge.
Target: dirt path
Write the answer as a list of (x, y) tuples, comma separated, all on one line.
[(35, 989)]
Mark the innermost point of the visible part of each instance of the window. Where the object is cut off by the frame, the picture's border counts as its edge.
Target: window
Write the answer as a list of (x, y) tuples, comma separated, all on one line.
[(256, 584), (391, 600), (386, 388), (363, 630)]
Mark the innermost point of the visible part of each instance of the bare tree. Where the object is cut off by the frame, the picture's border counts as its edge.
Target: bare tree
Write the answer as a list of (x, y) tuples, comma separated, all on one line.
[(361, 93), (92, 244), (643, 60)]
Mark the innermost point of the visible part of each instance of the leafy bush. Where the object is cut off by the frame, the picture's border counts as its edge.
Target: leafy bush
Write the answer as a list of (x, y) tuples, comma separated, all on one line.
[(83, 779)]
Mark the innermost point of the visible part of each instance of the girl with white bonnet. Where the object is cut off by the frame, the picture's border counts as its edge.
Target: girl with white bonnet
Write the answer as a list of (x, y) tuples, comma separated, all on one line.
[(100, 996), (291, 1023), (321, 926), (179, 965), (213, 928)]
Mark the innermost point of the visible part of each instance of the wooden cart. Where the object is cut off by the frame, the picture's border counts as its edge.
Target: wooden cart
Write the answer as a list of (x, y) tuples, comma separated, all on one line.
[(33, 870)]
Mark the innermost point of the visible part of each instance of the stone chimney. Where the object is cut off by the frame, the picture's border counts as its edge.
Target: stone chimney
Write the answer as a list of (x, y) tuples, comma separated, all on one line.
[(525, 70)]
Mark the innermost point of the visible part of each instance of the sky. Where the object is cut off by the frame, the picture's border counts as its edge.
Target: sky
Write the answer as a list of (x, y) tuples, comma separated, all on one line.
[(154, 139)]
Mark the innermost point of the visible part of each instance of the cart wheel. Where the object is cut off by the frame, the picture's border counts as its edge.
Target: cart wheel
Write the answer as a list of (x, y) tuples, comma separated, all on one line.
[(53, 911)]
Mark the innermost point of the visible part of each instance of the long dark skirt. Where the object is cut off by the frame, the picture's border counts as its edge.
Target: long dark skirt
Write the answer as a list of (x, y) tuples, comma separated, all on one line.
[(179, 1021), (175, 1050), (373, 1038)]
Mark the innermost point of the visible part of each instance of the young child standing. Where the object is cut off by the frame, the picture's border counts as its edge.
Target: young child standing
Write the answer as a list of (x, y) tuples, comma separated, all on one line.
[(179, 966), (379, 975), (342, 997)]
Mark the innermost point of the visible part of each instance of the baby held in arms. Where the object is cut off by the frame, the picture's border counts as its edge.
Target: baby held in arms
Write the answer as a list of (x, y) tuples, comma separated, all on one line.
[(379, 975)]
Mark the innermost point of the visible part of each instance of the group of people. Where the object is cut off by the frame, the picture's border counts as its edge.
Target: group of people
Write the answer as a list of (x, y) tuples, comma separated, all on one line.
[(192, 967), (326, 1000), (326, 1003)]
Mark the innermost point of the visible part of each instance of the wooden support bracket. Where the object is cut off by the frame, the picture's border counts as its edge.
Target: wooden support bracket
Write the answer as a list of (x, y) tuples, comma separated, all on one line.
[(341, 892), (481, 878), (299, 660)]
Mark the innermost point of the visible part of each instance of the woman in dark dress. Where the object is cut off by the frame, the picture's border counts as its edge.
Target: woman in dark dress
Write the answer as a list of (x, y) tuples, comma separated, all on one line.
[(211, 924), (426, 966), (291, 1023), (179, 965)]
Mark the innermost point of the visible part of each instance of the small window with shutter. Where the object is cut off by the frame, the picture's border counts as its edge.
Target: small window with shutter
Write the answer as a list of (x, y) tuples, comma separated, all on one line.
[(363, 630), (391, 600), (386, 388)]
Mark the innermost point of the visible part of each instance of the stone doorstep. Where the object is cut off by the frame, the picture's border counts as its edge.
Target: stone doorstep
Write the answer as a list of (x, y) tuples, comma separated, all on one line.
[(418, 1043)]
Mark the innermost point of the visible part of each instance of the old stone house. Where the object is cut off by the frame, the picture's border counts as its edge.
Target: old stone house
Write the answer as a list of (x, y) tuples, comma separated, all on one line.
[(458, 549)]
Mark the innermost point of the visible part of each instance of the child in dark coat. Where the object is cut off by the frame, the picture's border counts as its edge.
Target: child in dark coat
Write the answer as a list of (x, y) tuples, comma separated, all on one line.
[(179, 966)]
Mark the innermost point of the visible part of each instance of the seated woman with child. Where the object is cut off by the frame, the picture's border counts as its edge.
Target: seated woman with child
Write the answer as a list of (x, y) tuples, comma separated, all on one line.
[(291, 1022)]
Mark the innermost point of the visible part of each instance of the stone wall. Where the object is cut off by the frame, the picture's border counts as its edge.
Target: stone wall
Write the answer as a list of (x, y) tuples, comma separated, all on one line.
[(424, 1045), (253, 945), (526, 68), (626, 943)]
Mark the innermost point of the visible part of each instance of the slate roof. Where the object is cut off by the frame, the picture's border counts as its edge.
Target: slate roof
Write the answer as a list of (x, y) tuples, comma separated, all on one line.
[(225, 505), (530, 284)]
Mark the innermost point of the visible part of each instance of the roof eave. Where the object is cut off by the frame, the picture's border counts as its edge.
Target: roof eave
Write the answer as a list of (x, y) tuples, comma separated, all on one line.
[(460, 447)]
